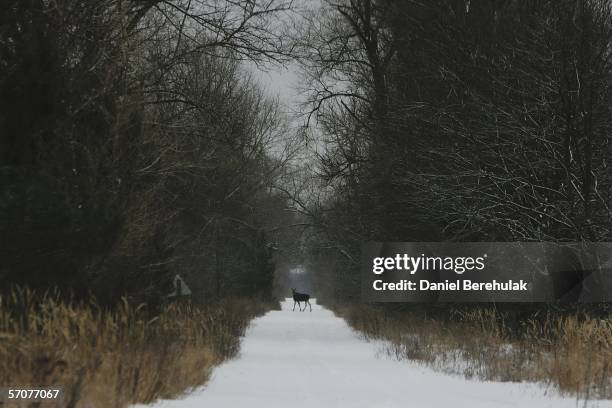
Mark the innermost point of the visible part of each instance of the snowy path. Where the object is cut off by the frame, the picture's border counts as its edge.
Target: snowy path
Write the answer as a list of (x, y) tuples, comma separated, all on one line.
[(294, 360)]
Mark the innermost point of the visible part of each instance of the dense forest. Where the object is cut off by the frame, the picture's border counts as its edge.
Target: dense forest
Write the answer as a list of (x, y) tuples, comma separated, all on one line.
[(134, 145), (456, 121), (463, 121), (137, 144)]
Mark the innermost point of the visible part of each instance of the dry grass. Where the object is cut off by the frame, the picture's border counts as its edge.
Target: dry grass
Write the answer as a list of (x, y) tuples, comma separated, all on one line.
[(571, 353), (113, 358)]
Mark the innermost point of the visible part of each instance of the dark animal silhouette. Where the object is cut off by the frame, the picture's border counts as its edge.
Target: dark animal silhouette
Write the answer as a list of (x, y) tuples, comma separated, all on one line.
[(301, 297)]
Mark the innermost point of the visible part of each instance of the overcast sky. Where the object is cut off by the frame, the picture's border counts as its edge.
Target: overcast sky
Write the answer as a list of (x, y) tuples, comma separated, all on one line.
[(281, 81)]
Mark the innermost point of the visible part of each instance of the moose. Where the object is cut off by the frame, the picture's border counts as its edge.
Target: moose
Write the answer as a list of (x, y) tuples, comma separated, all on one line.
[(300, 297)]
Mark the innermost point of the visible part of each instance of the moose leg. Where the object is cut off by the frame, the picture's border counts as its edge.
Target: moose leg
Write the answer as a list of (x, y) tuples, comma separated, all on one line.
[(294, 302), (308, 305)]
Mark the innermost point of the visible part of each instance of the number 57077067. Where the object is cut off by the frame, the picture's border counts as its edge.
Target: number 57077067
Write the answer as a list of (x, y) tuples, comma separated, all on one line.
[(31, 394)]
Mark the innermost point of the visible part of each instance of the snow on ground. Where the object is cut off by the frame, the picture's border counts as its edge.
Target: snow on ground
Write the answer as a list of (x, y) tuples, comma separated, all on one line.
[(294, 360)]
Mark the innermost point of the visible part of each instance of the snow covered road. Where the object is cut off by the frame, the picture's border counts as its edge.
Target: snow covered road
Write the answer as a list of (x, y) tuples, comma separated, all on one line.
[(294, 360)]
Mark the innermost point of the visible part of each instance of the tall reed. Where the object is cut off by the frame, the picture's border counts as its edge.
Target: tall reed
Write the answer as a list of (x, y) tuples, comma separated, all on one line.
[(572, 353), (111, 358)]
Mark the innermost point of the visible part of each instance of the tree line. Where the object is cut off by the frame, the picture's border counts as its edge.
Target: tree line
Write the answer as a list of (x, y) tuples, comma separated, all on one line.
[(134, 145), (456, 120)]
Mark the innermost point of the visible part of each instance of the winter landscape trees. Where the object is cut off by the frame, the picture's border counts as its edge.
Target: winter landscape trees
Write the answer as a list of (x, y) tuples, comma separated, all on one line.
[(134, 146), (462, 121)]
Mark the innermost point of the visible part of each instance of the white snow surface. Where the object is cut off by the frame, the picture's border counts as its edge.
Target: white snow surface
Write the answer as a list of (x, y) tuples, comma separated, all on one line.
[(293, 360)]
